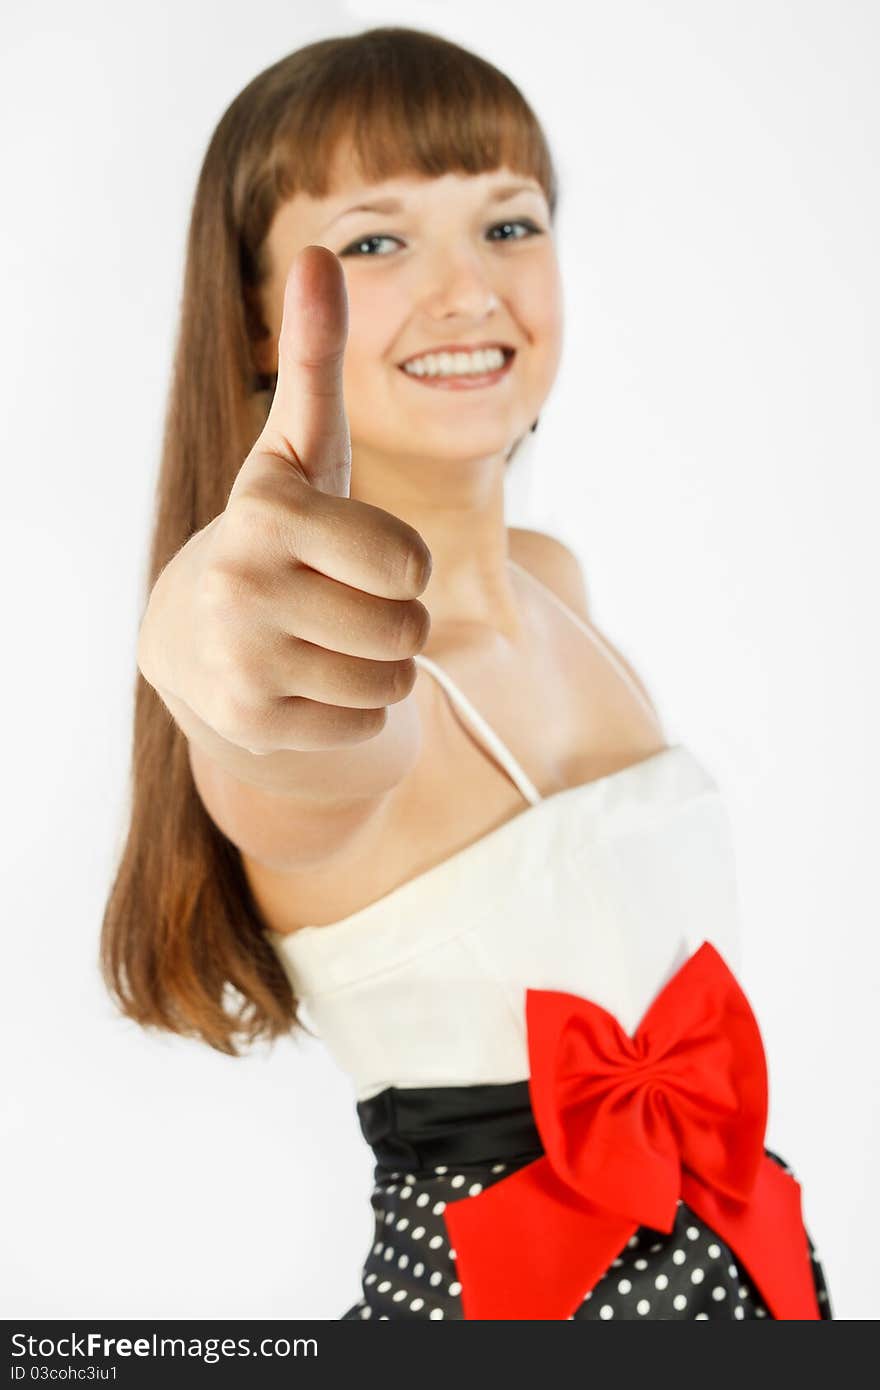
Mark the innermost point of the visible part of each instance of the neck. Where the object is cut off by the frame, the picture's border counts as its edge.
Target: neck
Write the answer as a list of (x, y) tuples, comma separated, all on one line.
[(457, 507)]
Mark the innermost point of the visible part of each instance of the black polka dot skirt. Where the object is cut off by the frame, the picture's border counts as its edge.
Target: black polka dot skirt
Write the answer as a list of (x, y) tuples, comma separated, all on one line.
[(410, 1270)]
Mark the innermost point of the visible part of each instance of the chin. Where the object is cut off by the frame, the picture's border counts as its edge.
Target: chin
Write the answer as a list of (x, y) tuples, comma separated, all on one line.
[(454, 445)]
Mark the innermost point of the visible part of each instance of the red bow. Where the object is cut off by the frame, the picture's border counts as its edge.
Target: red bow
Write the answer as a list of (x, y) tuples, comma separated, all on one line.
[(629, 1125)]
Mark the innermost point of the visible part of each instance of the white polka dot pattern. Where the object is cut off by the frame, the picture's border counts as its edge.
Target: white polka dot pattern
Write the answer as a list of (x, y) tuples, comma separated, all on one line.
[(410, 1272)]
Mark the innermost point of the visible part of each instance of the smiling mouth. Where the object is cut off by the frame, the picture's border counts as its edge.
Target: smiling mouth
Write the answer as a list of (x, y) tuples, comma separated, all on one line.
[(466, 381)]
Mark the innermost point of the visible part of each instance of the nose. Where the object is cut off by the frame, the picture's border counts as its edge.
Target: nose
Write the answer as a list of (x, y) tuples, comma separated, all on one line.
[(461, 287)]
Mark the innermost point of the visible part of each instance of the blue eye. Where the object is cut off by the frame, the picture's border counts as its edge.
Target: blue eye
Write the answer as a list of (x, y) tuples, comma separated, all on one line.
[(355, 249), (530, 227)]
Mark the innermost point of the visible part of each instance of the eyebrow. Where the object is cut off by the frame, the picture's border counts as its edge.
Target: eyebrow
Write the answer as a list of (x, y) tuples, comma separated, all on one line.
[(391, 205)]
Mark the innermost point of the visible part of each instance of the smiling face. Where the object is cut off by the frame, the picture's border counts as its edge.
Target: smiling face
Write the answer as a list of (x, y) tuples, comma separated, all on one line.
[(432, 263)]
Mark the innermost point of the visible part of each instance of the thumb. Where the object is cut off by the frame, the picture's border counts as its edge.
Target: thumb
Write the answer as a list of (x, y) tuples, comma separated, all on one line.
[(307, 422)]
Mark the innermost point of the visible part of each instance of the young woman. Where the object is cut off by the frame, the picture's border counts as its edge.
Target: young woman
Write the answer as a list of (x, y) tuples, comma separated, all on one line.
[(389, 778)]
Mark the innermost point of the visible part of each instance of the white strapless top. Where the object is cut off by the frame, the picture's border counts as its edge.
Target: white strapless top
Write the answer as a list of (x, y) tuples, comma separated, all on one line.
[(601, 890)]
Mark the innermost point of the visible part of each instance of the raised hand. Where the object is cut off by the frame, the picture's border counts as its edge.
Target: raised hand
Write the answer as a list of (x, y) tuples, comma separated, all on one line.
[(292, 619)]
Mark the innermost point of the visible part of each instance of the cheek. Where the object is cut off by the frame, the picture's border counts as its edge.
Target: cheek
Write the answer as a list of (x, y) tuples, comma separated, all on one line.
[(540, 325), (375, 312), (552, 329), (539, 296)]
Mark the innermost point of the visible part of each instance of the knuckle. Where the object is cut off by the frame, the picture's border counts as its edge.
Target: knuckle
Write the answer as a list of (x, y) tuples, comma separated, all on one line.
[(217, 650), (244, 514), (394, 558), (254, 521), (233, 718), (212, 594), (325, 726), (396, 630), (421, 620), (372, 684), (403, 680), (410, 624), (222, 588), (417, 570), (246, 676), (364, 724)]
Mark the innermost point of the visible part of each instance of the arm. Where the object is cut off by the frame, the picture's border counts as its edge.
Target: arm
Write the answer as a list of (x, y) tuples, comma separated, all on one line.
[(289, 809)]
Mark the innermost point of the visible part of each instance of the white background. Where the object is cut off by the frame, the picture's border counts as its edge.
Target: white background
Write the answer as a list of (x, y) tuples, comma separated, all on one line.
[(710, 449)]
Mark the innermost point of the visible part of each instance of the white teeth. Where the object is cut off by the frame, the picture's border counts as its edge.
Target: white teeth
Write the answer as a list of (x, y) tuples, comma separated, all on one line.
[(456, 363)]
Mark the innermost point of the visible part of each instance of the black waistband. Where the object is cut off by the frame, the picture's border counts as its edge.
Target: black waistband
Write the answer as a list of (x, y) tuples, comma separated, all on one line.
[(419, 1127)]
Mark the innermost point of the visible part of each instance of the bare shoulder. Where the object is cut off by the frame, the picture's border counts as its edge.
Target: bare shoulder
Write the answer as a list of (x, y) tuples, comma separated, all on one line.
[(552, 562), (556, 565)]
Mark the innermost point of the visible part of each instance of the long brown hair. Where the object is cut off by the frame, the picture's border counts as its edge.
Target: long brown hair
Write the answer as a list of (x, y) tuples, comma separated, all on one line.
[(182, 941)]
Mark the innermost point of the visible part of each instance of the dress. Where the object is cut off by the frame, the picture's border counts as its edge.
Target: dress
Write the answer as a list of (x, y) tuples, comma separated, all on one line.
[(560, 1078)]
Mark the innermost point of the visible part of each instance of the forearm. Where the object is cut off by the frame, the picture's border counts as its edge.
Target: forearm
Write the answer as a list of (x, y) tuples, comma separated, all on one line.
[(361, 770)]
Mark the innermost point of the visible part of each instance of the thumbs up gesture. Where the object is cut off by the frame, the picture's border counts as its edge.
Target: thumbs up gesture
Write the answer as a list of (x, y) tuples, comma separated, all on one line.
[(292, 619)]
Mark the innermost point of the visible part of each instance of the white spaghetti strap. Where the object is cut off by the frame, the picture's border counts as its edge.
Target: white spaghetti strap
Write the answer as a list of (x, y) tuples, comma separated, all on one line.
[(595, 637), (483, 730)]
